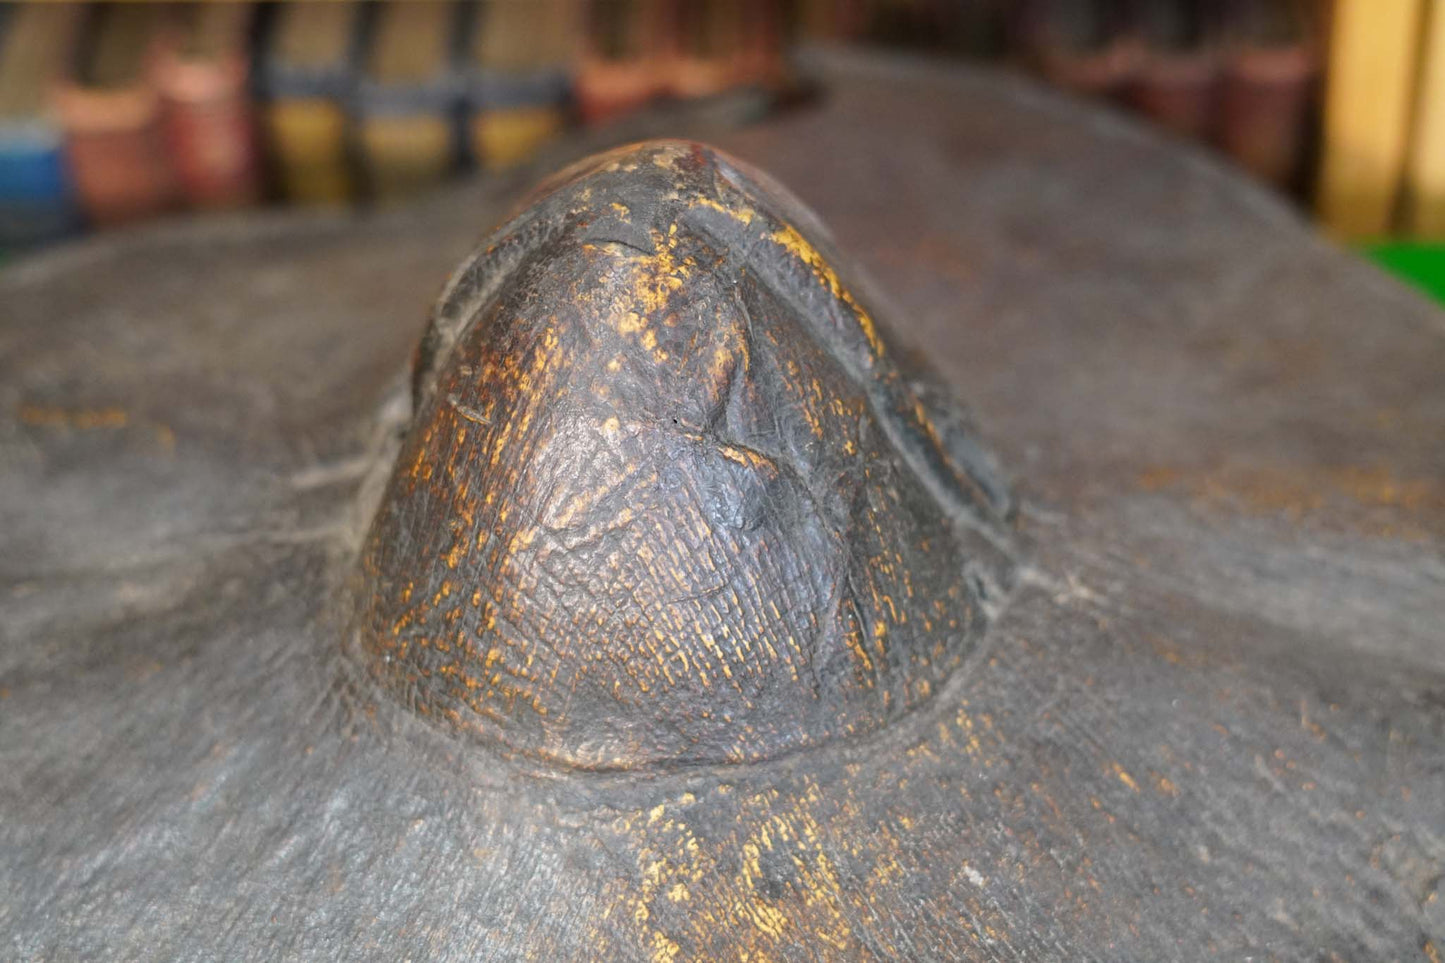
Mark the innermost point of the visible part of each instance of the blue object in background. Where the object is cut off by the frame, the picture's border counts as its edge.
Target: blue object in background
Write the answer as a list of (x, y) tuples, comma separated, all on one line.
[(36, 203)]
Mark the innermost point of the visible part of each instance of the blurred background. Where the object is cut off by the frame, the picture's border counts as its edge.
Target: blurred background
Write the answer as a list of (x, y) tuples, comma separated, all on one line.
[(113, 113)]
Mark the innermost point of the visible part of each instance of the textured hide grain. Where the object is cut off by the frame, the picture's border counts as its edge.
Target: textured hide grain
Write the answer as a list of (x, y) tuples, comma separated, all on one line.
[(1197, 710), (668, 498)]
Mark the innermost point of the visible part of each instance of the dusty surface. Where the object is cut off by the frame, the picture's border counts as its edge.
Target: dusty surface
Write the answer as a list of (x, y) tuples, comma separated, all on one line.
[(667, 499), (1211, 721)]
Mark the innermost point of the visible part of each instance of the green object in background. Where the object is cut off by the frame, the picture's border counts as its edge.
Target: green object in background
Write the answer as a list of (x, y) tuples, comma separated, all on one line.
[(1422, 265)]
